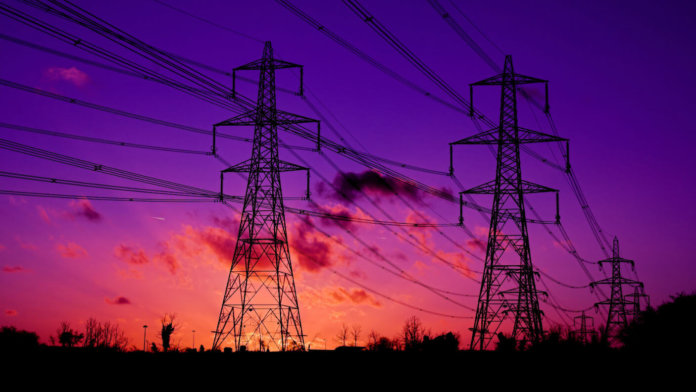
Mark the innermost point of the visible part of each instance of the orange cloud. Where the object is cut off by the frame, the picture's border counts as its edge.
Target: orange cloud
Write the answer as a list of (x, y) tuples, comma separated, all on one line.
[(356, 296), (334, 296), (10, 312), (72, 75), (71, 251), (131, 255)]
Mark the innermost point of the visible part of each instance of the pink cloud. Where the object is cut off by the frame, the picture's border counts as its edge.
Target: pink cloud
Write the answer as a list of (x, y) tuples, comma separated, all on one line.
[(358, 274), (43, 214), (72, 75), (71, 251), (313, 250), (10, 312), (130, 255), (476, 244), (13, 269), (117, 301)]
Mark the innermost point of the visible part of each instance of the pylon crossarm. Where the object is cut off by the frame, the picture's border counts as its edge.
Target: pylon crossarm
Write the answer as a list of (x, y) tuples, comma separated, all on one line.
[(616, 260), (266, 64), (242, 167), (286, 118), (246, 118), (288, 166), (488, 188), (506, 78), (525, 136)]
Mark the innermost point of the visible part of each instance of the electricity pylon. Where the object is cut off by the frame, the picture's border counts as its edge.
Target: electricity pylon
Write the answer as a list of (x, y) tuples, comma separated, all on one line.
[(619, 306), (583, 333), (260, 304), (507, 285), (634, 300)]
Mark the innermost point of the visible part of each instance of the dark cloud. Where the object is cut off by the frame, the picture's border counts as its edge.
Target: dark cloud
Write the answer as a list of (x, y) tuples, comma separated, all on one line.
[(350, 186), (83, 209), (10, 312), (118, 301)]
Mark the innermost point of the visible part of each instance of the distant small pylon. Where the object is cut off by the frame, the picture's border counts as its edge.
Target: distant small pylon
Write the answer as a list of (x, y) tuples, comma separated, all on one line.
[(619, 307), (585, 331)]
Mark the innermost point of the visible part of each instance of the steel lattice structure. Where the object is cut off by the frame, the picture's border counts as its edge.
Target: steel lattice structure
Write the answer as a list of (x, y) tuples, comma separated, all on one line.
[(508, 287), (583, 333), (260, 307), (619, 306)]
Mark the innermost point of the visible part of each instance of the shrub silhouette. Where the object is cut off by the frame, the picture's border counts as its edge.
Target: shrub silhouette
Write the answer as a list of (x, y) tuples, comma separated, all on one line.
[(665, 328)]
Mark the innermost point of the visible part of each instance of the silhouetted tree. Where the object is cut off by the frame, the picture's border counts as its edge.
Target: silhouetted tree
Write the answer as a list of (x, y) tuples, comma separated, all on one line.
[(342, 335), (67, 337), (355, 333), (413, 333), (372, 339), (104, 336), (13, 340), (168, 328)]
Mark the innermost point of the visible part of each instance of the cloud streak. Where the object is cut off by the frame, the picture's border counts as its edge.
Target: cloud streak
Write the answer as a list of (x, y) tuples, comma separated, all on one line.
[(71, 75), (13, 269)]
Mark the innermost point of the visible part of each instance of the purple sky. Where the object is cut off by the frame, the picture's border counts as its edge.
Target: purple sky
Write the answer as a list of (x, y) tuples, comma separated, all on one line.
[(620, 80)]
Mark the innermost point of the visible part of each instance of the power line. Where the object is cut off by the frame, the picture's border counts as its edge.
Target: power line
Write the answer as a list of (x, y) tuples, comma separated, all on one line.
[(101, 140)]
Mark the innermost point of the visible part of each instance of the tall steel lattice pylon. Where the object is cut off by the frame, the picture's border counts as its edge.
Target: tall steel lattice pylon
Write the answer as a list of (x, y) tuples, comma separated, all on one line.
[(508, 289), (619, 306), (260, 308)]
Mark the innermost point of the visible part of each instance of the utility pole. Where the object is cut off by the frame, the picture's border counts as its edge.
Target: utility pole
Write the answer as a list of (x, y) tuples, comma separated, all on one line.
[(508, 289), (144, 338), (619, 306), (260, 301)]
